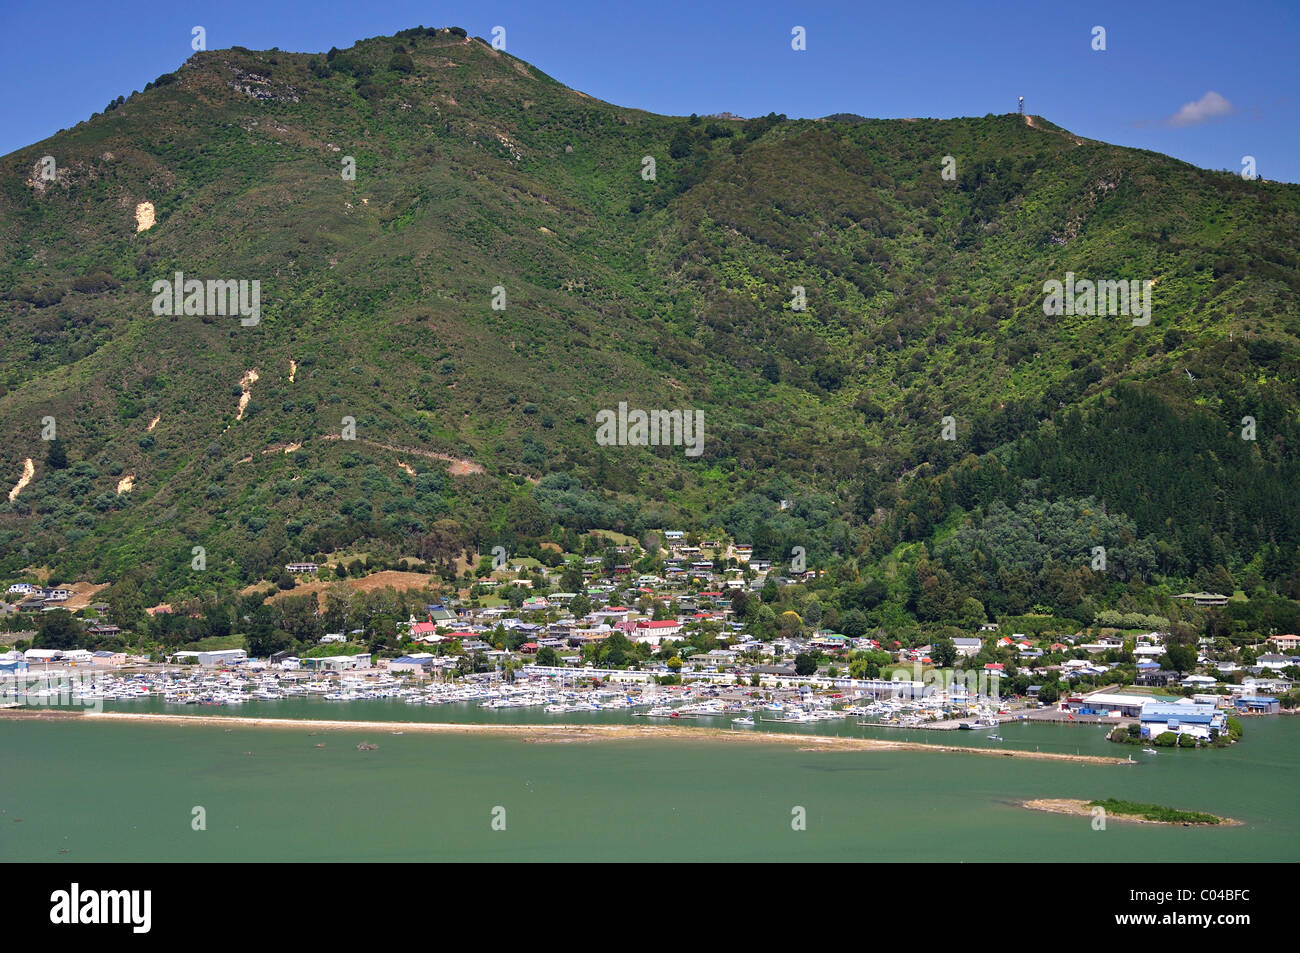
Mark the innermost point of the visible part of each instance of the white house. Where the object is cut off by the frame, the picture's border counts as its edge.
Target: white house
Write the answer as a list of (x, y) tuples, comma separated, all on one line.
[(336, 663), (1273, 661), (1263, 686), (652, 633)]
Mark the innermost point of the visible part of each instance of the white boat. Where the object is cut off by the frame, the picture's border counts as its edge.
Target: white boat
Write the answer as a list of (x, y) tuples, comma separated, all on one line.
[(1149, 751), (744, 720)]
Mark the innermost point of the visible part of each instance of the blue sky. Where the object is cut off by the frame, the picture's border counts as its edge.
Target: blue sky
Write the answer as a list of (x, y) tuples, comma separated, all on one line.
[(1205, 82)]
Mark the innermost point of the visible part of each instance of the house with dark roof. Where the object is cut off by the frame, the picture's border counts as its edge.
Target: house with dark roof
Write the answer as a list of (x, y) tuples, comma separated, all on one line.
[(1156, 677)]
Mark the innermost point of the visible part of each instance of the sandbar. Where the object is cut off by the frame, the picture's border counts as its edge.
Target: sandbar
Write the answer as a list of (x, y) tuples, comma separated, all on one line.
[(562, 734)]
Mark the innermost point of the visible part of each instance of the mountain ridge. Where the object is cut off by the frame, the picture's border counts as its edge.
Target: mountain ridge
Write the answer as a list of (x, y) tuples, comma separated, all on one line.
[(476, 171)]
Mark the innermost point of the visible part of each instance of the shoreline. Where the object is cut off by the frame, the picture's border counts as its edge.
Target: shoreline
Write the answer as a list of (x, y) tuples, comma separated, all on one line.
[(1077, 807), (560, 734)]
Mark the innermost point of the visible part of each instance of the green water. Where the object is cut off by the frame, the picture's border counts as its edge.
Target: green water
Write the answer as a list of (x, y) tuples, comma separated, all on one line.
[(126, 792)]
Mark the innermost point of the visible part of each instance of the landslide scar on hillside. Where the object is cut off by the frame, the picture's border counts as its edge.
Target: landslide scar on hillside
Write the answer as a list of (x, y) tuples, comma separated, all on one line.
[(29, 471)]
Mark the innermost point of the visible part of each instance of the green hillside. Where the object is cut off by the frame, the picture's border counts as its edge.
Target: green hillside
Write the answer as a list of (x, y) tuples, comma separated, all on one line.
[(924, 300)]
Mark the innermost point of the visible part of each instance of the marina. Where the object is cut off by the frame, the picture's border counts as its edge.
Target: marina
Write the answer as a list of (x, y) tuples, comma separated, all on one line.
[(531, 693)]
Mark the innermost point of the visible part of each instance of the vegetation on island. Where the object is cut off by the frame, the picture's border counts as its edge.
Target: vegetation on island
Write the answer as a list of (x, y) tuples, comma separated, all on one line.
[(1154, 812)]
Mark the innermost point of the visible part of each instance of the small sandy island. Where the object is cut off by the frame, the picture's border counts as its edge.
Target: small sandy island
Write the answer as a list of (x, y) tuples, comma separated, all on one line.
[(568, 734), (1082, 808)]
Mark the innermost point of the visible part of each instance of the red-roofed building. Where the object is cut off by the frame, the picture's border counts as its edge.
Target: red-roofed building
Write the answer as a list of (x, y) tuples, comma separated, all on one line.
[(667, 626), (653, 632), (424, 631)]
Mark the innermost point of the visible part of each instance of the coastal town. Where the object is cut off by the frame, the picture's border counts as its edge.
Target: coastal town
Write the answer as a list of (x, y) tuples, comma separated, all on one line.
[(693, 434), (687, 629)]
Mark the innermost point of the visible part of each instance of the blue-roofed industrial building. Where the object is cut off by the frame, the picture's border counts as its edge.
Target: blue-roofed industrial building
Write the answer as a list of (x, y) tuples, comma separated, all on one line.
[(1182, 719), (1259, 705)]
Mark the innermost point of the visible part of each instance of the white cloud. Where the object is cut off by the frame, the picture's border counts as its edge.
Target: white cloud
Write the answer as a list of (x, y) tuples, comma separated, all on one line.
[(1210, 106)]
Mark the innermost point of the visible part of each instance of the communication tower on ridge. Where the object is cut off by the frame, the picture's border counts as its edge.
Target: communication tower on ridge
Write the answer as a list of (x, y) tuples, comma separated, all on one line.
[(1022, 105)]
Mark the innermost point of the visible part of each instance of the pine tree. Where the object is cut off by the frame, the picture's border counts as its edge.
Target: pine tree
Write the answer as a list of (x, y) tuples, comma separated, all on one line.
[(56, 457)]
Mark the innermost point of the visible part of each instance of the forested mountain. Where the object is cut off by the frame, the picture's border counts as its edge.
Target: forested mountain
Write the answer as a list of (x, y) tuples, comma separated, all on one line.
[(836, 296)]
